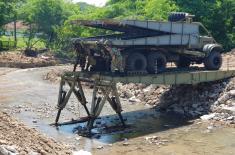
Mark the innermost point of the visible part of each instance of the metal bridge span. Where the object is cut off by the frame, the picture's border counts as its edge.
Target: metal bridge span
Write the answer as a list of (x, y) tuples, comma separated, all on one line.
[(105, 89), (168, 78)]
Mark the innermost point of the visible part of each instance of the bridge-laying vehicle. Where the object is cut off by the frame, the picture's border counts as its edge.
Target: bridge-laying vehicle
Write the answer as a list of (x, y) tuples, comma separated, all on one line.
[(147, 46)]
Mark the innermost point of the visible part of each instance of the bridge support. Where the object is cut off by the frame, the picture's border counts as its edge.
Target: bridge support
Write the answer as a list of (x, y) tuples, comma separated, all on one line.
[(102, 91)]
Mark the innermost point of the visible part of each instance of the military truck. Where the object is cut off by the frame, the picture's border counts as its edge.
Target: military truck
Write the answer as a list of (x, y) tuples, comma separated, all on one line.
[(147, 46)]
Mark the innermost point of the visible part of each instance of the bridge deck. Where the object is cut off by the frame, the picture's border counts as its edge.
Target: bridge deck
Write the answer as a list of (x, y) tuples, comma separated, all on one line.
[(168, 78)]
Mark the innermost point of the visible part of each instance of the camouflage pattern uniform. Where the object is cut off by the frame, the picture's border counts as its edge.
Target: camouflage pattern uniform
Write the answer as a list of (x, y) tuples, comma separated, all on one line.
[(117, 59)]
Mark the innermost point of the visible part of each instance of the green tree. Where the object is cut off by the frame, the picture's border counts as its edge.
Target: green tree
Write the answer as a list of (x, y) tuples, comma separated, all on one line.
[(159, 9), (46, 15), (217, 15)]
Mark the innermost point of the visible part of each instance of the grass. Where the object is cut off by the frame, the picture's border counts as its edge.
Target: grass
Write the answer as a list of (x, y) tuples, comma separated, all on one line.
[(21, 42)]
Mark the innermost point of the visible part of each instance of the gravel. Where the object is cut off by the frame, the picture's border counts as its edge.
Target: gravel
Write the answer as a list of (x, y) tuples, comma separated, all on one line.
[(210, 101), (16, 138)]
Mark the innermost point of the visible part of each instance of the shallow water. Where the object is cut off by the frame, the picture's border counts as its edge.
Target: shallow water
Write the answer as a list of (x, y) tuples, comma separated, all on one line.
[(27, 97)]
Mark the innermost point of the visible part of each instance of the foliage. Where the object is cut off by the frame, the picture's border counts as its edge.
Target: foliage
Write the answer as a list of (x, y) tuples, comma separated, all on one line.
[(45, 16), (217, 15)]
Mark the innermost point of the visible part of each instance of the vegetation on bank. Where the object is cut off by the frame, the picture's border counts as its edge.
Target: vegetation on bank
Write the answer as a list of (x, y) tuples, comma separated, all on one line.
[(49, 26)]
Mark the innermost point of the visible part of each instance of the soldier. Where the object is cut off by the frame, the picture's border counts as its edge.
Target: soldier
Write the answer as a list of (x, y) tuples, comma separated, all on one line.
[(117, 59), (81, 54), (91, 62)]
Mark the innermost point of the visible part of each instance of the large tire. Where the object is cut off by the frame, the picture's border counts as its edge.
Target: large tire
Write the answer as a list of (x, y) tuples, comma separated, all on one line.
[(161, 62), (177, 16), (183, 62), (136, 62), (213, 61)]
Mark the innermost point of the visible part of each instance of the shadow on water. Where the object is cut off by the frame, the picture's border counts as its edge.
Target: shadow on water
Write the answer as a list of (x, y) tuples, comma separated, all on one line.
[(108, 129)]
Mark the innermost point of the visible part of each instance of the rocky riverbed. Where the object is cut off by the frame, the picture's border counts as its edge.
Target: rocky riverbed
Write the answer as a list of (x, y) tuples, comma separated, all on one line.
[(213, 100), (16, 138)]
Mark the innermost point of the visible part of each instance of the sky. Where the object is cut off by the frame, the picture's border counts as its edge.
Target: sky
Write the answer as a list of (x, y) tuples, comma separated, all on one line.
[(93, 2)]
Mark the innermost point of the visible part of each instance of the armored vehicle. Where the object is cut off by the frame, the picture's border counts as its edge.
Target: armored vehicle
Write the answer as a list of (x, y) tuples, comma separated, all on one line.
[(147, 46)]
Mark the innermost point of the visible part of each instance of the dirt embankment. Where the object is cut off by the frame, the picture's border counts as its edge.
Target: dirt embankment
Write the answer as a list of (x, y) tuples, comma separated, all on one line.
[(19, 60), (26, 141)]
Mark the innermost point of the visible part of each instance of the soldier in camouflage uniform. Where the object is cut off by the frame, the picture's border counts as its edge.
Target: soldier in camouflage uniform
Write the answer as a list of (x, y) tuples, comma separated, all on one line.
[(117, 59), (81, 54)]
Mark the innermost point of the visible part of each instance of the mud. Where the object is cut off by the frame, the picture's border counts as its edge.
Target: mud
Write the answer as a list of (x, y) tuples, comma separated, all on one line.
[(32, 100)]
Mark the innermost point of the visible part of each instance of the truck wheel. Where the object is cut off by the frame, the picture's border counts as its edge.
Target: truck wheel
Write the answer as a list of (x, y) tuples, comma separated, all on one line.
[(177, 16), (156, 62), (136, 62), (213, 61), (183, 62)]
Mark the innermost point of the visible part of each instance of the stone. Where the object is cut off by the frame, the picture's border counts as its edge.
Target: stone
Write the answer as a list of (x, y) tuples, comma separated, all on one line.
[(134, 99), (125, 144), (78, 138), (81, 152), (128, 94), (210, 127), (208, 117), (230, 118), (7, 150), (223, 98), (150, 88), (33, 153), (229, 110), (232, 92), (100, 147), (3, 151)]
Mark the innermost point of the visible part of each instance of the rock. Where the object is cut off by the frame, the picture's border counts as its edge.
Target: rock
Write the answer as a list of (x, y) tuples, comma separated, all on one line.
[(230, 118), (128, 94), (125, 144), (4, 151), (100, 147), (150, 88), (7, 150), (33, 153), (231, 92), (230, 109), (223, 98), (11, 149), (81, 152), (161, 90), (134, 99), (78, 138), (210, 127), (208, 117)]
